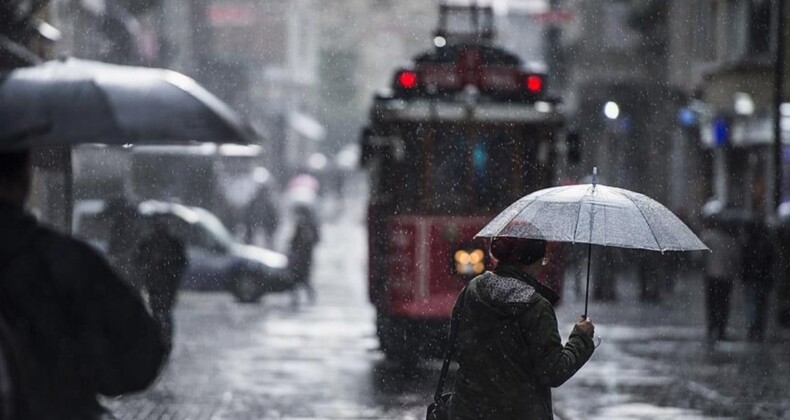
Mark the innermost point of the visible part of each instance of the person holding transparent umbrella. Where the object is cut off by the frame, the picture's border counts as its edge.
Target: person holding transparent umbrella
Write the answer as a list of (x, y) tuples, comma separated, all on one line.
[(509, 349), (590, 214), (594, 214)]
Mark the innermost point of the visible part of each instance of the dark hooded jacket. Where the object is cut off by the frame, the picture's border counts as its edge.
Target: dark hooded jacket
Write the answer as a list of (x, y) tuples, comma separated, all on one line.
[(509, 350), (81, 331)]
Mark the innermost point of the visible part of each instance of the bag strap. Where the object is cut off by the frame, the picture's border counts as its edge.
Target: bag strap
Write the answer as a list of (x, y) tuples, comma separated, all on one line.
[(450, 345)]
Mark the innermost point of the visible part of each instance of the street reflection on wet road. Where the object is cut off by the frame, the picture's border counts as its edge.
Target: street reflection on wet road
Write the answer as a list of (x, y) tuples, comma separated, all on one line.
[(277, 360)]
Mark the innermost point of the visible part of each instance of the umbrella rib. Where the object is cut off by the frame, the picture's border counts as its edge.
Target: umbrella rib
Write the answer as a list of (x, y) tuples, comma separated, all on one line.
[(522, 210), (655, 238), (578, 219), (110, 111)]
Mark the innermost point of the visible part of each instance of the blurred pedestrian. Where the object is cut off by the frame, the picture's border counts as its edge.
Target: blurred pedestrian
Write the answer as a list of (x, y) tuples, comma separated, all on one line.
[(656, 274), (650, 272), (508, 344), (82, 329), (758, 276), (261, 217), (161, 258), (607, 264), (577, 264), (306, 236), (123, 236), (723, 263)]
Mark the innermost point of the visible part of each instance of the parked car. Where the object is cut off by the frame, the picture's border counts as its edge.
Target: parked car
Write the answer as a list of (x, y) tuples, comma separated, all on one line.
[(216, 260)]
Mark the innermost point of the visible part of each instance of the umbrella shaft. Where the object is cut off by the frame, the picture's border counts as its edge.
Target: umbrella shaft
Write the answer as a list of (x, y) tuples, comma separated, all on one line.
[(587, 289)]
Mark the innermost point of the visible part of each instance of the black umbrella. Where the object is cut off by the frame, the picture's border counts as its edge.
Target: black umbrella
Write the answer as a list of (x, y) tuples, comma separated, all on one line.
[(72, 101)]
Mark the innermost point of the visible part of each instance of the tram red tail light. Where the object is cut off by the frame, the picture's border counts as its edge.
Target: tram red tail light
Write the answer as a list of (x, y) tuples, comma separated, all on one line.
[(533, 83), (407, 79)]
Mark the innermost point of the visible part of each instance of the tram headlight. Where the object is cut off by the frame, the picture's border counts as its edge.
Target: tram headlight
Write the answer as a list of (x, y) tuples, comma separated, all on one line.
[(469, 261)]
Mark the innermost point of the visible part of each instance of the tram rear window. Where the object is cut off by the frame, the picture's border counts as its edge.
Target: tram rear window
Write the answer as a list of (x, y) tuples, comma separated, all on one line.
[(459, 169)]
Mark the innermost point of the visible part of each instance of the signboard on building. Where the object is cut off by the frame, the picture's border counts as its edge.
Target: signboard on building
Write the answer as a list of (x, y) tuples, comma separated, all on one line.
[(233, 14), (554, 17), (715, 132), (784, 111), (737, 131), (752, 131)]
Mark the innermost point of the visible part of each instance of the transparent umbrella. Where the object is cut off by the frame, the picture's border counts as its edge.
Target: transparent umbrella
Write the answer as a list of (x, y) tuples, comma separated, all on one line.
[(596, 215)]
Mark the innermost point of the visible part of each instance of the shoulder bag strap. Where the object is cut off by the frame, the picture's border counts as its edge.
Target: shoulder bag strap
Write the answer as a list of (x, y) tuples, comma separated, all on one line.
[(450, 345)]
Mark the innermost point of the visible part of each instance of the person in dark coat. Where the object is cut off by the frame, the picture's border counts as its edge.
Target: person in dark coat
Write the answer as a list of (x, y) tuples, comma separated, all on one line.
[(161, 258), (509, 349), (304, 239), (83, 331), (758, 276), (9, 374)]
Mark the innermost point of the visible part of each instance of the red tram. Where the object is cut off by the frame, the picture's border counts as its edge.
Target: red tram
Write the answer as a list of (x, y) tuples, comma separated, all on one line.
[(466, 130)]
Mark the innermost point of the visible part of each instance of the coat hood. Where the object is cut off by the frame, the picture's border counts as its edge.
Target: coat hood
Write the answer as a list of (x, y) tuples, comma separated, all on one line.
[(495, 297)]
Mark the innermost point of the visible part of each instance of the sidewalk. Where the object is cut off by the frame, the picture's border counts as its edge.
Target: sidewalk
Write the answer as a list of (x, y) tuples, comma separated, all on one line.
[(654, 364)]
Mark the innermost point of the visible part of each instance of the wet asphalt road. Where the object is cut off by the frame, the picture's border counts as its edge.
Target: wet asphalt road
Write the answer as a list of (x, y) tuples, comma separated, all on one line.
[(653, 364), (275, 360)]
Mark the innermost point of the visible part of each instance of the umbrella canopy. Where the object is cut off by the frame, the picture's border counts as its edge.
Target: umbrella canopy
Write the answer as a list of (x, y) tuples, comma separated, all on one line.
[(72, 101), (594, 214)]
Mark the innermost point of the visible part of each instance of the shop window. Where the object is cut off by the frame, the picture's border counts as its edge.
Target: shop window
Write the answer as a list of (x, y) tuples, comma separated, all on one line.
[(617, 35), (746, 30), (704, 32)]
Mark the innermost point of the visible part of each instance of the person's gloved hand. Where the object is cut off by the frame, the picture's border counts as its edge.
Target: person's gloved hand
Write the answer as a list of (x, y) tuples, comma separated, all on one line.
[(586, 326)]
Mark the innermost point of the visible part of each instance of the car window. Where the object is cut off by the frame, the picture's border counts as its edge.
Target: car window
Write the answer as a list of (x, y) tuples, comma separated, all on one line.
[(193, 234), (214, 230), (201, 237), (93, 226)]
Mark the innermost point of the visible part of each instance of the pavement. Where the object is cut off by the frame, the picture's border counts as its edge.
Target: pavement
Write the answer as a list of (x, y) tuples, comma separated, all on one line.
[(275, 360), (654, 364)]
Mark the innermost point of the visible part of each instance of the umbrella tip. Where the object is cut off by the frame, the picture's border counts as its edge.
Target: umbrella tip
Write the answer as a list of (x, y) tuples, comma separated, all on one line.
[(595, 175)]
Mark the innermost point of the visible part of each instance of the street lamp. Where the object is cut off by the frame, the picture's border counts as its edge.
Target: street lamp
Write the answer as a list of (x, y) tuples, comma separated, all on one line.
[(779, 64), (611, 110), (743, 104)]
